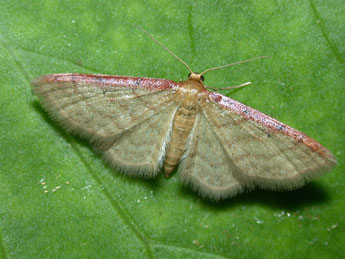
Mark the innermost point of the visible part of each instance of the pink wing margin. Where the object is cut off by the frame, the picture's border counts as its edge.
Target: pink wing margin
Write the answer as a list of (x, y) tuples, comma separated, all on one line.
[(275, 125), (107, 80)]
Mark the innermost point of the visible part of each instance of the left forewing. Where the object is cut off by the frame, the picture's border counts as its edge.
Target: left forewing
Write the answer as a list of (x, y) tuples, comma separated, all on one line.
[(102, 108)]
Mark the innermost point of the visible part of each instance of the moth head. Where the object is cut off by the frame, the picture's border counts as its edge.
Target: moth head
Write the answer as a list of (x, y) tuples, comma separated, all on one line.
[(196, 76)]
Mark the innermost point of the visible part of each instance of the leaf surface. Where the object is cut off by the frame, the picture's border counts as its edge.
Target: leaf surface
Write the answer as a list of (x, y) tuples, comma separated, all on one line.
[(59, 199)]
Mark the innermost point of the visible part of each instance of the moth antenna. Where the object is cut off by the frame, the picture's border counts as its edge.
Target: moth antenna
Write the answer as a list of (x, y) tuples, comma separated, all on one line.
[(232, 64), (161, 44)]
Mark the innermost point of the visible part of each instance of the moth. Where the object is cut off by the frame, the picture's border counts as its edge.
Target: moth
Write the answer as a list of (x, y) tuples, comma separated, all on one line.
[(143, 126)]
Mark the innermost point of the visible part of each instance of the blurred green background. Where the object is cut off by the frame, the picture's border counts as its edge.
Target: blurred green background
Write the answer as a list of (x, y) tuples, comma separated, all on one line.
[(60, 200)]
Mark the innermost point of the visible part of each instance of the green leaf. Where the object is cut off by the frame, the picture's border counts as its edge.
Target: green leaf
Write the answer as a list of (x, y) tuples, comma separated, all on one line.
[(59, 199)]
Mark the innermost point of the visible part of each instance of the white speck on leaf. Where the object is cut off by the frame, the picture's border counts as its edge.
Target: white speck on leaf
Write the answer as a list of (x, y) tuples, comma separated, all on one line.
[(332, 227)]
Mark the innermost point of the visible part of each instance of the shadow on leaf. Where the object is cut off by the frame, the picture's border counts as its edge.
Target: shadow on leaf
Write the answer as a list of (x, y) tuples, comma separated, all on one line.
[(308, 195)]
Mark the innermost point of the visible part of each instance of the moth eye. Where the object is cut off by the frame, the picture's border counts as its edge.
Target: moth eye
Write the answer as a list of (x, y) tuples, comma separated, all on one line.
[(202, 78), (189, 75)]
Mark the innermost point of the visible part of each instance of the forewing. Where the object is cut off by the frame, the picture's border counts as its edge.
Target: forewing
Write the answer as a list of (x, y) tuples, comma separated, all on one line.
[(206, 167), (267, 152), (101, 108)]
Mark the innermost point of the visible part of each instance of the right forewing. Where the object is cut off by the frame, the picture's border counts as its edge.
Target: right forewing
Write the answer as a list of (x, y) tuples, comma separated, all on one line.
[(268, 153)]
